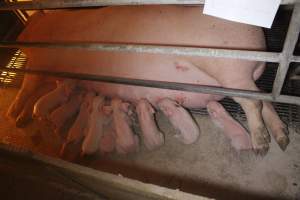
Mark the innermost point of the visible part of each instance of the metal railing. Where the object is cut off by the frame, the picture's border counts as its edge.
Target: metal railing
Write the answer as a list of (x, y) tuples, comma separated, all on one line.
[(284, 58), (52, 4)]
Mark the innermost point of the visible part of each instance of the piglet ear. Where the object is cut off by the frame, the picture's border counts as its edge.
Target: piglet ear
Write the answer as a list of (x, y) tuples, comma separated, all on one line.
[(107, 110)]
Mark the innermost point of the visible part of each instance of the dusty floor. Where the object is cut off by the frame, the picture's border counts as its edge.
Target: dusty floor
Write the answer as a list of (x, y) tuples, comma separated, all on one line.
[(210, 167)]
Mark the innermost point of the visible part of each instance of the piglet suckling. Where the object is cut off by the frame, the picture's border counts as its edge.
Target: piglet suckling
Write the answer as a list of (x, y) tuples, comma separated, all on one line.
[(239, 137), (95, 128), (152, 137), (60, 95), (126, 140), (181, 26), (72, 146), (77, 132), (187, 129), (26, 114), (107, 142), (66, 111)]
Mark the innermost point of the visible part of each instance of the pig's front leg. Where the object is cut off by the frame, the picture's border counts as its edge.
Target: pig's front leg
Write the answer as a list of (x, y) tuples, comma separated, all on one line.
[(253, 109), (275, 126), (26, 115), (63, 113), (29, 85), (259, 134), (126, 140), (53, 99), (182, 121), (238, 136), (152, 137)]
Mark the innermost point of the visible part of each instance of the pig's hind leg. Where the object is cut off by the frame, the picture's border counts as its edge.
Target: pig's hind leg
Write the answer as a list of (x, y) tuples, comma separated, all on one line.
[(182, 121), (233, 130)]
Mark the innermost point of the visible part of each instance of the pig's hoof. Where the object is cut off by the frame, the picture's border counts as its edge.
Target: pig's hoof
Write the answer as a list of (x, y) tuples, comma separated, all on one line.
[(259, 142), (283, 142), (281, 137), (280, 134)]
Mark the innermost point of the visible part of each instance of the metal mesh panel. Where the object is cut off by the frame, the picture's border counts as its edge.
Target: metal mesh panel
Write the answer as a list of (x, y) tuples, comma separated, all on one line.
[(13, 79)]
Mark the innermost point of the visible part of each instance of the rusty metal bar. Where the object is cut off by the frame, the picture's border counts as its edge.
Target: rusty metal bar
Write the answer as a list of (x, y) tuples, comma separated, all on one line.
[(165, 85), (92, 3), (171, 50), (288, 50)]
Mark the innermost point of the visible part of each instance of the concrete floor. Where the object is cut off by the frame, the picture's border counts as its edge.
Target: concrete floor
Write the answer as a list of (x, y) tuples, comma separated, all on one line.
[(211, 167)]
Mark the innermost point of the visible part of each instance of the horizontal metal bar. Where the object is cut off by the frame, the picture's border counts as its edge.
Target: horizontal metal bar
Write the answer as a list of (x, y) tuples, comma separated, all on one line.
[(288, 50), (92, 3), (171, 50), (295, 59), (288, 99), (110, 185), (165, 85)]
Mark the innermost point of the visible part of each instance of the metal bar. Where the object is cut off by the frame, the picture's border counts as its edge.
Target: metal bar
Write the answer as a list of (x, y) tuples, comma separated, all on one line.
[(288, 50), (92, 3), (111, 185), (166, 85), (171, 50), (295, 59)]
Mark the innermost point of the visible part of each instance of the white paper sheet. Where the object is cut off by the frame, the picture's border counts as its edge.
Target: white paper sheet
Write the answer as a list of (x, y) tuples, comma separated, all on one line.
[(255, 12)]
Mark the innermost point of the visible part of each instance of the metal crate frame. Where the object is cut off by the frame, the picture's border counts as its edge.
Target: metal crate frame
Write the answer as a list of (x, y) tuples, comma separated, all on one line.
[(284, 58)]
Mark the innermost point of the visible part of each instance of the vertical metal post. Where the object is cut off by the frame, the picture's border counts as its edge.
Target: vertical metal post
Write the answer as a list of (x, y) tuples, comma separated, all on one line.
[(288, 49)]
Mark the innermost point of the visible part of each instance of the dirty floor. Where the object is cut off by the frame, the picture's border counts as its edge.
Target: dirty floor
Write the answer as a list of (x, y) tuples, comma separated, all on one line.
[(210, 167)]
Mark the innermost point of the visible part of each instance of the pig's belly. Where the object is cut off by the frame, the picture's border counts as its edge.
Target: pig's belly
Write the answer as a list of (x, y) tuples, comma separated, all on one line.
[(130, 65), (166, 68), (153, 95)]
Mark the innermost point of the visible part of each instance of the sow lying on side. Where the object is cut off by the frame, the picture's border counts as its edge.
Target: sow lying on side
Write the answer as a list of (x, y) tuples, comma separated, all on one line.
[(163, 25)]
